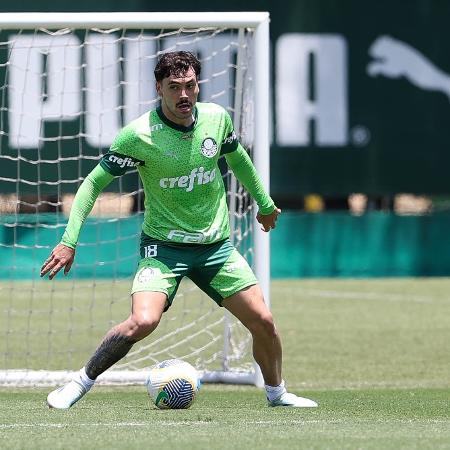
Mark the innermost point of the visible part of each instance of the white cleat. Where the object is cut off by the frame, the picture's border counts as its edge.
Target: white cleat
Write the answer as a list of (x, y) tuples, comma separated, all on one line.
[(291, 400), (67, 395)]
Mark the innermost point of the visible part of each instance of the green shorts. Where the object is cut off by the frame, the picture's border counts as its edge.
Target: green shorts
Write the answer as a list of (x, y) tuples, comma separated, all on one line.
[(217, 269)]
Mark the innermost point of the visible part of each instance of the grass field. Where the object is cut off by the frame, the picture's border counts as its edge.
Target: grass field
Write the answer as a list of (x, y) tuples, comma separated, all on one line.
[(373, 353)]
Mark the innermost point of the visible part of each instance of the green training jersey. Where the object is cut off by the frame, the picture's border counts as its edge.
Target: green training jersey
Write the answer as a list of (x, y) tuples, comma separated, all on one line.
[(185, 198)]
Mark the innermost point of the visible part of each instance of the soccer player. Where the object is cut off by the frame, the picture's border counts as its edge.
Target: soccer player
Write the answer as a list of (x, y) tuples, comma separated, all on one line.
[(185, 232)]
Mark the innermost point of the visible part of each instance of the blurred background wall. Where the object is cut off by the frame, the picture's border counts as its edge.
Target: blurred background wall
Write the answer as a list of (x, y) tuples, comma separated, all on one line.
[(360, 131)]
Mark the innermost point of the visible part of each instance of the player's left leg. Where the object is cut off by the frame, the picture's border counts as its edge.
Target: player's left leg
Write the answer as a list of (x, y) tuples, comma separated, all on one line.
[(226, 277), (249, 307)]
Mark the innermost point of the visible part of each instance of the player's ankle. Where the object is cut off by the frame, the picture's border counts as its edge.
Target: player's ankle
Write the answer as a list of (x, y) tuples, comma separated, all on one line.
[(85, 380), (274, 392)]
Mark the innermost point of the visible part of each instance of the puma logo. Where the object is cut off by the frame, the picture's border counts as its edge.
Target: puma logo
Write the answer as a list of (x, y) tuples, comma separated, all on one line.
[(170, 154), (395, 59)]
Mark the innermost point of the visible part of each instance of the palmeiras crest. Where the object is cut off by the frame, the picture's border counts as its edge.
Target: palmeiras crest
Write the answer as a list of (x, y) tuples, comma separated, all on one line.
[(209, 147)]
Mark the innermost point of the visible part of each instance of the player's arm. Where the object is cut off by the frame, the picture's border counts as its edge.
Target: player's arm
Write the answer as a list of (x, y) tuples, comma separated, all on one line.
[(114, 163), (244, 170), (63, 254)]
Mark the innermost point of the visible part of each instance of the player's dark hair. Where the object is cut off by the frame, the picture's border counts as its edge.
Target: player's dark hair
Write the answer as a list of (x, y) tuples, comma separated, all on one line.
[(176, 63)]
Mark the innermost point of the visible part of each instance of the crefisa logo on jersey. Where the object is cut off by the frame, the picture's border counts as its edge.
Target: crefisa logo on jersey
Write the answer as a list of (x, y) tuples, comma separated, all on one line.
[(209, 147), (117, 159)]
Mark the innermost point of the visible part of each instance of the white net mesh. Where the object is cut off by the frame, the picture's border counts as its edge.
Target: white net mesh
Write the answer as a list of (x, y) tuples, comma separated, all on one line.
[(64, 96)]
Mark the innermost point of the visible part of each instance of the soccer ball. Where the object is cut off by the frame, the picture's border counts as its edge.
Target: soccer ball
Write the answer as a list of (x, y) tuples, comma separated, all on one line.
[(173, 384)]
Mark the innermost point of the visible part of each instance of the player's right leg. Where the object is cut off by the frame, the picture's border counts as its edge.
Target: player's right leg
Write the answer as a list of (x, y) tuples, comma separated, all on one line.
[(155, 284), (147, 308)]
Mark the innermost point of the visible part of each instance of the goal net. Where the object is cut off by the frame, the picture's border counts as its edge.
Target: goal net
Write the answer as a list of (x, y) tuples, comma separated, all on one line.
[(68, 83)]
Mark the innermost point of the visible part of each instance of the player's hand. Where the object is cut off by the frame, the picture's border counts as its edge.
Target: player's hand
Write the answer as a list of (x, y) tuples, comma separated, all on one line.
[(268, 221), (61, 256)]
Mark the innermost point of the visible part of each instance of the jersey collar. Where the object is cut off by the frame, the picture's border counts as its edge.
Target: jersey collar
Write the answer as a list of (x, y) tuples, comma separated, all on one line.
[(174, 125)]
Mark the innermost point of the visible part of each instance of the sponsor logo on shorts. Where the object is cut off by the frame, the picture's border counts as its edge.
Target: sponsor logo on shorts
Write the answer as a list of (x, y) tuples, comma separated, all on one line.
[(191, 238), (209, 147), (236, 265), (147, 273), (198, 176)]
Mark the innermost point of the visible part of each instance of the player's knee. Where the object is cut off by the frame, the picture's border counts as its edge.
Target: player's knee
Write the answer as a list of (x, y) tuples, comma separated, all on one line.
[(264, 325), (142, 326)]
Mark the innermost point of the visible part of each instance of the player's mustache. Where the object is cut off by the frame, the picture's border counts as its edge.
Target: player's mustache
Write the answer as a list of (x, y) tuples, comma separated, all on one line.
[(184, 103)]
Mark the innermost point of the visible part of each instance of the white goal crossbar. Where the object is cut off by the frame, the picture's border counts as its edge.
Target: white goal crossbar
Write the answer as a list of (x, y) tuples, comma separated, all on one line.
[(137, 20)]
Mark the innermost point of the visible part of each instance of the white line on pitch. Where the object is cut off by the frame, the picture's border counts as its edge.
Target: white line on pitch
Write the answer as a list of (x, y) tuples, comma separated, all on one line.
[(254, 422), (112, 424)]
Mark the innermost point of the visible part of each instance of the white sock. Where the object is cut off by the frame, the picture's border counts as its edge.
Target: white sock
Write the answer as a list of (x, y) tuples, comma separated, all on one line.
[(274, 392), (87, 382)]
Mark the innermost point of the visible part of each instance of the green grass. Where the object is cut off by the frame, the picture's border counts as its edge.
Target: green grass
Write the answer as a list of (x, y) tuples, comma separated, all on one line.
[(373, 353), (224, 418)]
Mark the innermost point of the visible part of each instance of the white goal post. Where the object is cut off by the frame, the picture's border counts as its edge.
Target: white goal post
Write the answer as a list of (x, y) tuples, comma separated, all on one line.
[(87, 78)]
